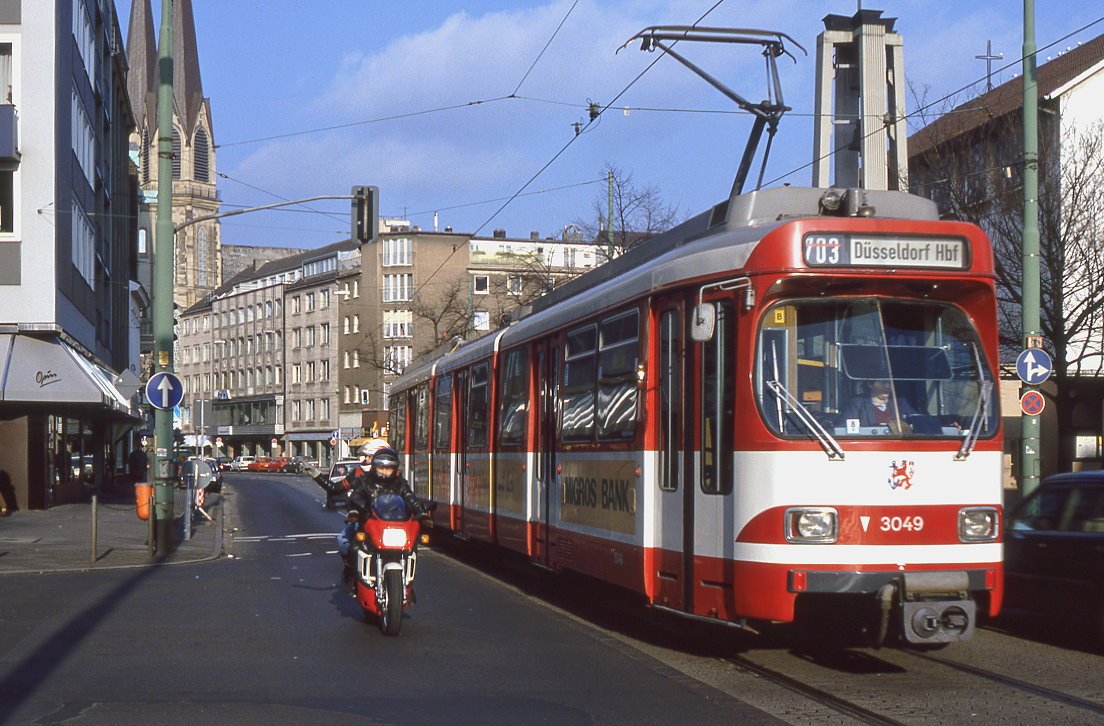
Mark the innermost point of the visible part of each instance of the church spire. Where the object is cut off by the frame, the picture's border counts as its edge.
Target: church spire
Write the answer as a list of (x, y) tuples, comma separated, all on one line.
[(141, 50), (187, 85)]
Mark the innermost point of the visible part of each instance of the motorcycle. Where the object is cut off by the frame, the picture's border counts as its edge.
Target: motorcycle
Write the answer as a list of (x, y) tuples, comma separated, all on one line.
[(386, 557)]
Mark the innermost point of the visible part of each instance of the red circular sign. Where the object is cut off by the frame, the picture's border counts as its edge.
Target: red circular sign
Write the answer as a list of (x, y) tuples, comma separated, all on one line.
[(1032, 403)]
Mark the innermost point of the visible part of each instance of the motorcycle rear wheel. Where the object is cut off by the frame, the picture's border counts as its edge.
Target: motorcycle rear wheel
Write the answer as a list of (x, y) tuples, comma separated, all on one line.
[(390, 617)]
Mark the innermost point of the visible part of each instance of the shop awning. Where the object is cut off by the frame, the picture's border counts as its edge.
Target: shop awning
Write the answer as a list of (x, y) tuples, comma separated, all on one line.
[(48, 371)]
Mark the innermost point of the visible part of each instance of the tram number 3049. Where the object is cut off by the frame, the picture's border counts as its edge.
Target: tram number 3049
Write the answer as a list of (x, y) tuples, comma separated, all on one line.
[(897, 524)]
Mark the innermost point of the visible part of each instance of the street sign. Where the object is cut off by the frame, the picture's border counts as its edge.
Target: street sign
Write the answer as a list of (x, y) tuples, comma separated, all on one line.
[(333, 442), (1032, 403), (218, 441), (1034, 366), (164, 391), (335, 434)]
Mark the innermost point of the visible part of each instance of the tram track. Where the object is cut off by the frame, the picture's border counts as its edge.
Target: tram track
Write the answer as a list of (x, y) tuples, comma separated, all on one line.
[(817, 695), (1043, 691)]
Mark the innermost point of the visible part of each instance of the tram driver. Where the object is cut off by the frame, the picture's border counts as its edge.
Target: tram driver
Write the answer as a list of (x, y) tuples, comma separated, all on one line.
[(878, 407)]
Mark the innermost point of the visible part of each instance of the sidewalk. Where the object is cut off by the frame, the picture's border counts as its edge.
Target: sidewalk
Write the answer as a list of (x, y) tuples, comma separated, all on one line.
[(59, 539)]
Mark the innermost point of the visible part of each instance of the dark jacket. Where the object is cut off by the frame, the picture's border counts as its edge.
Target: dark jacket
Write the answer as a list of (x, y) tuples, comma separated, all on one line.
[(364, 486)]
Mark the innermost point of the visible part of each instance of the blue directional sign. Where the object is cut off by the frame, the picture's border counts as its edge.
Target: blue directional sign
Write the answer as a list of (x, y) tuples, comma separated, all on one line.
[(1034, 366), (164, 391)]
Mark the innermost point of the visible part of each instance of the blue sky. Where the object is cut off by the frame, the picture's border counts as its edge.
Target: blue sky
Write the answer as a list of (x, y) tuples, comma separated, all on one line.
[(281, 74)]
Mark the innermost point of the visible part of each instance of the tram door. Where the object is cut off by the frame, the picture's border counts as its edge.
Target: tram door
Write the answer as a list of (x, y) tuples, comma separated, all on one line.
[(674, 516), (460, 445), (547, 366)]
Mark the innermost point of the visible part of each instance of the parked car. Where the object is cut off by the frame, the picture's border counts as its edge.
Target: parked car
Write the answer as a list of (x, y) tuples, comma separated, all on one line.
[(293, 465), (241, 463), (1054, 550), (216, 480), (261, 463)]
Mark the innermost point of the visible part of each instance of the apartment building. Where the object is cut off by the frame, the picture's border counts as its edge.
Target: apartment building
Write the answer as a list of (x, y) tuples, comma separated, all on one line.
[(67, 250)]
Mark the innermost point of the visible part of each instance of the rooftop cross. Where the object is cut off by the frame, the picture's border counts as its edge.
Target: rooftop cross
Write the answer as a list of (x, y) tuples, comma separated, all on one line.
[(989, 58)]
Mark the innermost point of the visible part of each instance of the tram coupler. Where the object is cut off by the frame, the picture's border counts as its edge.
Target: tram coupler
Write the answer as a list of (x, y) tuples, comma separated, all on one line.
[(936, 607)]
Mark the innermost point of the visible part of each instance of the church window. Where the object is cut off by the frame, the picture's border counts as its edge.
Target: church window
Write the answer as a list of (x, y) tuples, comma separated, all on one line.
[(176, 153), (202, 156)]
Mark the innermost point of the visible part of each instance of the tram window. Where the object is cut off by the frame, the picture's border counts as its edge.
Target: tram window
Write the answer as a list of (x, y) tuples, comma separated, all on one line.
[(421, 417), (442, 413), (821, 359), (397, 421), (577, 402), (618, 357), (670, 401), (718, 398), (514, 387), (478, 401)]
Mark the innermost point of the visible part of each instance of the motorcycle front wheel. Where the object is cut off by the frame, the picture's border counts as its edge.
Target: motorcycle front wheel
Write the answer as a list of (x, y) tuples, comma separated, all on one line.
[(390, 617)]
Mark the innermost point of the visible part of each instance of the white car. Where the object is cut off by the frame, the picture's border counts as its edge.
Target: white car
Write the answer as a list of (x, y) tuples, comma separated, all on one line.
[(240, 463)]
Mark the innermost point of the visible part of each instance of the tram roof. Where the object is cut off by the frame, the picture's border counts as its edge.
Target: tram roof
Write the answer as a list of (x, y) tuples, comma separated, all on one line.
[(721, 238)]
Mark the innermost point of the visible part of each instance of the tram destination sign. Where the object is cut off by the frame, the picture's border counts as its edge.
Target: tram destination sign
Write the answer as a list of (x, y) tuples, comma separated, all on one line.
[(853, 250)]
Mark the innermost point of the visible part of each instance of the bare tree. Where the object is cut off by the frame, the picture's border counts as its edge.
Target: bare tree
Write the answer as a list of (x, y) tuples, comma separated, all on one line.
[(639, 212), (447, 311), (978, 178)]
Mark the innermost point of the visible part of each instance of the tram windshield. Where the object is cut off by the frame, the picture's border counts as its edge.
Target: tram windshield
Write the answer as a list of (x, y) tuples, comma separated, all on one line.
[(861, 368)]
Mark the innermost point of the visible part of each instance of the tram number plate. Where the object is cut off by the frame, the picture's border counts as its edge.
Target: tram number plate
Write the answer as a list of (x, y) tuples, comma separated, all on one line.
[(849, 250), (901, 524)]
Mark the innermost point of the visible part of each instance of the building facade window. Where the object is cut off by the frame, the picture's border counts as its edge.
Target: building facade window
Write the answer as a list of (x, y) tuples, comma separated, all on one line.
[(398, 324), (84, 140), (481, 320), (84, 245), (397, 252), (397, 357), (481, 284), (397, 288)]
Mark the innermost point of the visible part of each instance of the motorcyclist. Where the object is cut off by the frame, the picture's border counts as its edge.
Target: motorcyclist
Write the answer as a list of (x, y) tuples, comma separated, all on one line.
[(380, 476)]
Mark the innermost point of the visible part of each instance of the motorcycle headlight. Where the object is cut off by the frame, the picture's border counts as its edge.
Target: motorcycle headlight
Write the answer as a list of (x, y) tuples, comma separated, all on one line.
[(978, 524), (811, 524), (394, 537)]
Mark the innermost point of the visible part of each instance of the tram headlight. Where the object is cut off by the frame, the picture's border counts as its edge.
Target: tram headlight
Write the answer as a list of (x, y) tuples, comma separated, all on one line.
[(811, 524), (978, 524)]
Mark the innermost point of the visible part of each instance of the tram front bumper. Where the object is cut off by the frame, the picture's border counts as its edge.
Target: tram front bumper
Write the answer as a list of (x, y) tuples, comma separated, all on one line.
[(930, 607)]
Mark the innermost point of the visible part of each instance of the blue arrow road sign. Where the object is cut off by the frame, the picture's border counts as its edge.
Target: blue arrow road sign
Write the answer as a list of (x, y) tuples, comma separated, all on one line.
[(164, 391), (1034, 366)]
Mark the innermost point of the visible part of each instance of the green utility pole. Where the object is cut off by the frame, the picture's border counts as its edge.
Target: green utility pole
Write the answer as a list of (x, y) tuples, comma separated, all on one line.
[(609, 216), (1029, 471), (163, 286)]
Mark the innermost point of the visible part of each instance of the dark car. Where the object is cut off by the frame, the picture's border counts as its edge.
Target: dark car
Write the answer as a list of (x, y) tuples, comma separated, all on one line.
[(225, 463), (293, 465), (333, 483), (1054, 549)]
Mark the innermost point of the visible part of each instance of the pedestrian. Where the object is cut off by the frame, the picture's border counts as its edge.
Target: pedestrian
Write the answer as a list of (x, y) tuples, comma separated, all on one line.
[(138, 463)]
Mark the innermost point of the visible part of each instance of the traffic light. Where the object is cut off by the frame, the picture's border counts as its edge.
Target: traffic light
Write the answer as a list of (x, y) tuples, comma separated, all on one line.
[(365, 214)]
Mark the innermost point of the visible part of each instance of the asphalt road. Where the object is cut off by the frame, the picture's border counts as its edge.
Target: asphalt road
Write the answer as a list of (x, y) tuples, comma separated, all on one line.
[(266, 635)]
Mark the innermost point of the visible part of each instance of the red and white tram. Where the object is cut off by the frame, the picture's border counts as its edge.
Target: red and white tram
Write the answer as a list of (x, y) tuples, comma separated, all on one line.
[(696, 421)]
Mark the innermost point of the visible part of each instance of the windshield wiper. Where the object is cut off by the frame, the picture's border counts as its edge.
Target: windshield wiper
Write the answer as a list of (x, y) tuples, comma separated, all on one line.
[(974, 433), (827, 442)]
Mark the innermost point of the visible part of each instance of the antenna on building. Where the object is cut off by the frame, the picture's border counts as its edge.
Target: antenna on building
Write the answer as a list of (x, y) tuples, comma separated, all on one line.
[(860, 104)]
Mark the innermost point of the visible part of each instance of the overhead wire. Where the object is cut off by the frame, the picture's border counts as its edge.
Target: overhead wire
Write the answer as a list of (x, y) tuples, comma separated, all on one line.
[(541, 54), (563, 148)]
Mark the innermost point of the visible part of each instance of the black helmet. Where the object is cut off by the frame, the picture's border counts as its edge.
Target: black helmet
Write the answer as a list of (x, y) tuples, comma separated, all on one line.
[(385, 458)]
